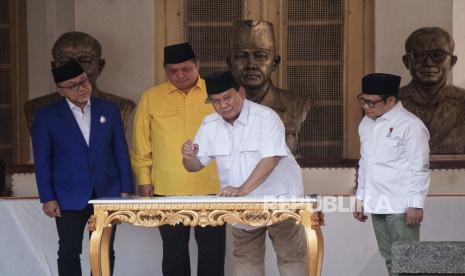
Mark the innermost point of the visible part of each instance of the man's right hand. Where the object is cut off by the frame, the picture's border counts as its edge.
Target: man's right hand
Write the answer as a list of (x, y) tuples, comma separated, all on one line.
[(189, 150), (358, 212), (51, 209), (146, 190)]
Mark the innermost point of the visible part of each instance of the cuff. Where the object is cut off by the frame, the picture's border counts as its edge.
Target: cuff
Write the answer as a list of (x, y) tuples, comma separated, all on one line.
[(416, 202), (143, 178)]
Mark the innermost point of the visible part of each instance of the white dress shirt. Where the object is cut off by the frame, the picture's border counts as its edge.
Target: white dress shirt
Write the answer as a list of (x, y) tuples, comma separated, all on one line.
[(237, 149), (82, 118), (394, 164)]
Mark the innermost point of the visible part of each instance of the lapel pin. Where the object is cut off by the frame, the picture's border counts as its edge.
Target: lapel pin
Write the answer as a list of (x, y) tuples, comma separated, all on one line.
[(390, 132), (102, 119)]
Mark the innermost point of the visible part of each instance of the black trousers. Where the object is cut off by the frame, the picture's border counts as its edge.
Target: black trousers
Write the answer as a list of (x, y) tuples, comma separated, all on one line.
[(70, 227), (211, 242)]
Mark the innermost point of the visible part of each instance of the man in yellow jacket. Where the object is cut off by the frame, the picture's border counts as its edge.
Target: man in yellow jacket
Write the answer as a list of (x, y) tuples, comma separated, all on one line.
[(167, 115)]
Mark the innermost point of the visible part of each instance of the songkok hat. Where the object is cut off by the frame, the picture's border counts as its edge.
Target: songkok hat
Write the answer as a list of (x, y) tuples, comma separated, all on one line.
[(67, 71), (178, 53), (219, 82), (381, 84), (252, 34)]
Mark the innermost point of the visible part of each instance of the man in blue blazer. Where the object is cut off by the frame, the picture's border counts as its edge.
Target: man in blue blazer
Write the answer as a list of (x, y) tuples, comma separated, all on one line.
[(80, 153)]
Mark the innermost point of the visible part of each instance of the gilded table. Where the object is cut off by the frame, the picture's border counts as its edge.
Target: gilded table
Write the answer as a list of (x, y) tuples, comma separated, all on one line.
[(202, 211)]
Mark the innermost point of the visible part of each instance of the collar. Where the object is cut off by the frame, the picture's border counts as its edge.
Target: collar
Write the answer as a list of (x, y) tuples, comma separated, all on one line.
[(393, 113), (199, 84), (75, 107), (243, 116)]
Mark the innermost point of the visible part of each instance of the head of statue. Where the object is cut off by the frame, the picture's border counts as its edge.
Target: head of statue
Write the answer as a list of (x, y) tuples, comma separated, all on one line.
[(82, 48), (181, 66), (253, 54), (429, 55)]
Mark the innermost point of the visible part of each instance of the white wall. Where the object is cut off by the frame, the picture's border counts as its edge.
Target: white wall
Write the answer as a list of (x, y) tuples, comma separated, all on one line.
[(395, 20), (126, 31), (46, 21)]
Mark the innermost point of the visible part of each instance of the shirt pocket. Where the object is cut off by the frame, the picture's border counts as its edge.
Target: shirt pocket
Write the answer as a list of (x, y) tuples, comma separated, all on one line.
[(250, 152), (206, 109), (165, 113), (389, 150), (163, 120), (222, 155)]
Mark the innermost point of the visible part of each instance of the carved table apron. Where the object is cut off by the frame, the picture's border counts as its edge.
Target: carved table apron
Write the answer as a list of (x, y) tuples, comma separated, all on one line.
[(202, 211)]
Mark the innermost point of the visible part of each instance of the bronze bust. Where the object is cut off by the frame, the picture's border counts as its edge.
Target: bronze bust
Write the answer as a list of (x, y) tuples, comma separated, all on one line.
[(87, 51), (429, 56), (253, 59)]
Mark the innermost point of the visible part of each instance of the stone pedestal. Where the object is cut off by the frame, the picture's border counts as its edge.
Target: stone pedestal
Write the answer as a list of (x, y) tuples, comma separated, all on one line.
[(428, 258)]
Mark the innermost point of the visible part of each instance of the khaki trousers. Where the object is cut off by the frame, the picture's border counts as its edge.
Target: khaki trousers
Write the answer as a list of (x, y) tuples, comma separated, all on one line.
[(289, 243), (390, 228)]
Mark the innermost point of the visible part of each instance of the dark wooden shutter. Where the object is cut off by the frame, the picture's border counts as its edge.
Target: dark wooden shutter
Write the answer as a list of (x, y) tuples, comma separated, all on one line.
[(207, 26), (8, 118), (314, 66)]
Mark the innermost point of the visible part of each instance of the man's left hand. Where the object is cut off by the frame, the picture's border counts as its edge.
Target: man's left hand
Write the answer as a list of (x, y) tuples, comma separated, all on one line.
[(232, 191), (125, 195), (414, 216)]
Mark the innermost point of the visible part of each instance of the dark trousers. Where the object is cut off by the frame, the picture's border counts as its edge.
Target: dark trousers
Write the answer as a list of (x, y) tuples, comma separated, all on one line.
[(70, 227), (211, 242)]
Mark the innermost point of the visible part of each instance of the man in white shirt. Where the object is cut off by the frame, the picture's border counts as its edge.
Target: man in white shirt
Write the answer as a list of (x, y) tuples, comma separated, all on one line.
[(393, 177), (247, 141)]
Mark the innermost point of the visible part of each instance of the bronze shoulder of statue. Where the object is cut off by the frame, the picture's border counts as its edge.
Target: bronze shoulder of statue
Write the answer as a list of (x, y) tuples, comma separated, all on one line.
[(447, 91), (31, 106), (455, 92), (126, 106), (292, 104), (293, 110), (406, 91)]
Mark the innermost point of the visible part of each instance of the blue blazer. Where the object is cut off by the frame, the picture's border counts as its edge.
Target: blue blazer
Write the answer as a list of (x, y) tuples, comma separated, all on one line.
[(69, 171)]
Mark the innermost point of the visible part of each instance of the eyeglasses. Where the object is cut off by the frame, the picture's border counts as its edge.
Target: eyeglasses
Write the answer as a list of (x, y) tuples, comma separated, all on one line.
[(76, 87), (437, 55), (370, 104)]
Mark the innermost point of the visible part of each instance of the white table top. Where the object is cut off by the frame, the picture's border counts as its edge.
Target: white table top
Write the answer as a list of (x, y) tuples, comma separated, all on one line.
[(204, 199)]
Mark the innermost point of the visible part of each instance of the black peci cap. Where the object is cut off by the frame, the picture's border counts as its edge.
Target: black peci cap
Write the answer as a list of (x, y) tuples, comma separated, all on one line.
[(178, 53), (219, 82), (381, 84), (67, 71)]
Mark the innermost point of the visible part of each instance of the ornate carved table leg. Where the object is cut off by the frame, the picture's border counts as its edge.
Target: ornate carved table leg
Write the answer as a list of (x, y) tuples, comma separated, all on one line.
[(100, 243), (311, 222)]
